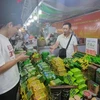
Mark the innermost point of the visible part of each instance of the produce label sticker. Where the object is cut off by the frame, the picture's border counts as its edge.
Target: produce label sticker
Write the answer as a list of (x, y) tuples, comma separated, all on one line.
[(91, 46)]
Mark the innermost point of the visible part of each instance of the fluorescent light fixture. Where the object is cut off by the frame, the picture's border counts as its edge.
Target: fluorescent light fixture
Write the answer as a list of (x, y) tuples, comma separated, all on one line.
[(35, 18), (40, 12), (30, 16), (19, 30), (24, 25), (28, 24), (29, 21), (32, 20)]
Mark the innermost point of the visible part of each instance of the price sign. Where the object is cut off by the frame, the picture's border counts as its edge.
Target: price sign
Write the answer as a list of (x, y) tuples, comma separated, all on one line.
[(91, 46)]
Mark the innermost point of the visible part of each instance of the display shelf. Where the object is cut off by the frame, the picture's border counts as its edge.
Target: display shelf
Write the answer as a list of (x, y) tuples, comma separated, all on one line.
[(63, 87)]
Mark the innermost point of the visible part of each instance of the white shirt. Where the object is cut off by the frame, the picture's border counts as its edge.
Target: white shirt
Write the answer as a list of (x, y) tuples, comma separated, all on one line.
[(63, 43), (9, 78)]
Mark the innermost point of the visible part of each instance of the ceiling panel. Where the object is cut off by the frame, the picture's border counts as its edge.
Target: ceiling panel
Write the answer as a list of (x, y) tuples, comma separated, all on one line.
[(56, 10)]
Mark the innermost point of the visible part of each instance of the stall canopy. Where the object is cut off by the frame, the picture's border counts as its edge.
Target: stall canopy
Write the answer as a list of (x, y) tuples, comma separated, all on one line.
[(57, 10)]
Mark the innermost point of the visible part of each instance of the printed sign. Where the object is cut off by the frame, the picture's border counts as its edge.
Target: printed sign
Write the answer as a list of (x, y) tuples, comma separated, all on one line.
[(91, 46)]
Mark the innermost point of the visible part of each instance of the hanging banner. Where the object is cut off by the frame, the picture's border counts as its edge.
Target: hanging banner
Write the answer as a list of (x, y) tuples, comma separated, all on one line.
[(91, 46), (85, 26)]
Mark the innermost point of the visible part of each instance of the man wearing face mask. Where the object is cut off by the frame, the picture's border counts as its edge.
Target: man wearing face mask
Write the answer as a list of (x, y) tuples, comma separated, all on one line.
[(9, 75), (63, 40)]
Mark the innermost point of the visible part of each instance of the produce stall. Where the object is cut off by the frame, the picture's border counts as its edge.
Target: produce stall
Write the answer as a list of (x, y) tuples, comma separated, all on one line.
[(47, 77), (44, 75)]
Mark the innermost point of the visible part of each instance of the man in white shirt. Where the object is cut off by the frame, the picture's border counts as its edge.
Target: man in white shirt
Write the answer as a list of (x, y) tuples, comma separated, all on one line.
[(63, 39), (9, 75)]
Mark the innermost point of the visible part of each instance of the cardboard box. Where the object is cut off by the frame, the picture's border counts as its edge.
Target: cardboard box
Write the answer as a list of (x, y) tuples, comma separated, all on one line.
[(98, 76), (92, 72), (93, 87)]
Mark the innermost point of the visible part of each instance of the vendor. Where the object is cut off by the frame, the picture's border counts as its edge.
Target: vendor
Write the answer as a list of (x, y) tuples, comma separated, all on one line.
[(63, 39)]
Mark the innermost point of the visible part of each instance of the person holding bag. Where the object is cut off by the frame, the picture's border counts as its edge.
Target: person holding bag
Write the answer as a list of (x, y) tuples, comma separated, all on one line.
[(66, 41)]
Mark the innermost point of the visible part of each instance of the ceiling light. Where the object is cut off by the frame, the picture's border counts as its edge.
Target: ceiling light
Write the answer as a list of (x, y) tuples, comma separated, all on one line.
[(40, 12), (29, 21), (19, 30), (35, 18), (32, 20), (28, 24), (30, 16), (24, 25)]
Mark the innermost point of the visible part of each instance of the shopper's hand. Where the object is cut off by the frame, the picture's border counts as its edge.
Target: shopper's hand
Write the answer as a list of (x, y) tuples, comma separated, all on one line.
[(22, 57), (23, 52), (51, 47), (51, 50)]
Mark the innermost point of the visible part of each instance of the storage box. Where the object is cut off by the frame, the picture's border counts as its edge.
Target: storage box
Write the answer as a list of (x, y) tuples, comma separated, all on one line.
[(93, 87), (98, 76), (92, 72)]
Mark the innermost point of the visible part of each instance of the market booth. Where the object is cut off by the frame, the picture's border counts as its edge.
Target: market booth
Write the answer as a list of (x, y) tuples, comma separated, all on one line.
[(45, 76)]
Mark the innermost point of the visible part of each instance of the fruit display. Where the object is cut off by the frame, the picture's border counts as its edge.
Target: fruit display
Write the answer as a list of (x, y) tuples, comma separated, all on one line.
[(58, 66)]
